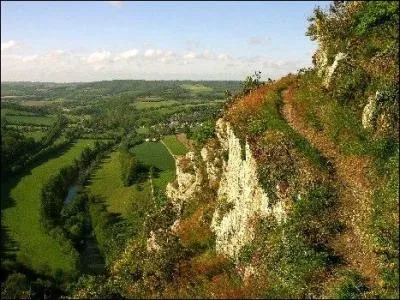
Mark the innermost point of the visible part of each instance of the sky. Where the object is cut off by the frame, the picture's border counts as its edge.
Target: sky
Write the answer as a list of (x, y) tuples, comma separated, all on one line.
[(105, 40)]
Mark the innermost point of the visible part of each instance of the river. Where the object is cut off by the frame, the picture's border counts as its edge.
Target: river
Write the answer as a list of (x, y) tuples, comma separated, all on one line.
[(91, 259)]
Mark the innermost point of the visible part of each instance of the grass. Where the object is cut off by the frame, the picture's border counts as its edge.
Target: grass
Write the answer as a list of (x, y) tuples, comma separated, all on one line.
[(34, 120), (196, 88), (21, 216), (155, 154), (176, 147), (107, 184), (36, 135), (152, 104), (10, 111)]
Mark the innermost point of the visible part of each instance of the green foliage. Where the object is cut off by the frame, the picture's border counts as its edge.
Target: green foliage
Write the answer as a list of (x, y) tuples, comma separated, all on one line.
[(352, 287), (15, 287), (384, 226), (375, 13), (295, 253), (129, 167), (202, 132), (246, 253), (252, 82)]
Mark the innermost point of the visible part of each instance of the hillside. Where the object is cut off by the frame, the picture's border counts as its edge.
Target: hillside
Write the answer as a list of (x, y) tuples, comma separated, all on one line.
[(295, 194), (292, 191)]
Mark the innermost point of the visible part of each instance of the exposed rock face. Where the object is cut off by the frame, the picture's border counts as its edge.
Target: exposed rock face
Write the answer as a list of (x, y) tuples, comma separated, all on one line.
[(240, 197), (331, 69), (370, 112), (188, 179)]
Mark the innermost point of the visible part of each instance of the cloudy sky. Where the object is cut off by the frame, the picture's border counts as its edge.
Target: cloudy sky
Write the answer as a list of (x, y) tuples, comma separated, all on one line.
[(104, 40)]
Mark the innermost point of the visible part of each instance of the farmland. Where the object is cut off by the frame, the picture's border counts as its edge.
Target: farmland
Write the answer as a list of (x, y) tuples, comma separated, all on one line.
[(107, 184), (155, 154), (31, 120), (21, 216), (175, 146)]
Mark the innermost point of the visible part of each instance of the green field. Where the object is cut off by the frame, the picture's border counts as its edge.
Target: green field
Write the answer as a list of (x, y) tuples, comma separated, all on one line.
[(36, 135), (176, 147), (34, 120), (21, 216), (196, 88), (151, 104), (155, 154), (10, 111), (107, 184)]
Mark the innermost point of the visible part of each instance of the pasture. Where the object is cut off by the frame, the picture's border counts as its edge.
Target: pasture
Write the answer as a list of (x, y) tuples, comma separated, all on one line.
[(155, 154), (31, 120), (176, 147), (196, 88), (36, 135), (153, 104), (20, 202), (107, 185)]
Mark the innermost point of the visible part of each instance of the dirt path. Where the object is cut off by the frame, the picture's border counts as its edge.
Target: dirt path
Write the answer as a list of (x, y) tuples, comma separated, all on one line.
[(354, 209)]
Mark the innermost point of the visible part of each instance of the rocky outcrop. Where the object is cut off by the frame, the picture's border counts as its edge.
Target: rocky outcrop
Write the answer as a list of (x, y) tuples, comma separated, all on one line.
[(188, 180), (328, 74), (370, 112), (240, 196)]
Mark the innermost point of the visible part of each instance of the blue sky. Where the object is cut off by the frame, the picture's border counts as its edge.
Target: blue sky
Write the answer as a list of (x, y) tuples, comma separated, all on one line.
[(86, 41)]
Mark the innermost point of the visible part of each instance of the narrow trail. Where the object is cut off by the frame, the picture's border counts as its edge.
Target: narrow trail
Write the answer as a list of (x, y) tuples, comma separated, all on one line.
[(354, 191)]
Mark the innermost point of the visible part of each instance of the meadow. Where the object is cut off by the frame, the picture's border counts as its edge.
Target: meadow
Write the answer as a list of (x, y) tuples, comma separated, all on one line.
[(31, 120), (152, 104), (107, 185), (196, 88), (34, 248), (175, 146), (36, 135)]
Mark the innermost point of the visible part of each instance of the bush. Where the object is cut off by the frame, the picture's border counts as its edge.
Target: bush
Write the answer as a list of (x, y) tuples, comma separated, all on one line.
[(352, 287)]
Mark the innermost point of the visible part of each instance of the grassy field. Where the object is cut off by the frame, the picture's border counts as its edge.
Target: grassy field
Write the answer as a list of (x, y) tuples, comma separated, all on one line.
[(151, 104), (196, 88), (36, 135), (21, 216), (176, 147), (107, 184), (35, 120), (155, 154), (10, 111)]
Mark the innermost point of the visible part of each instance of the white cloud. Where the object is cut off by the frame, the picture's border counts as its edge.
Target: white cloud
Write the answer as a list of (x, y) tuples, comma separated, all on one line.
[(127, 54), (149, 53), (29, 58), (115, 3), (97, 57), (224, 57), (190, 55), (154, 53), (8, 45), (154, 63)]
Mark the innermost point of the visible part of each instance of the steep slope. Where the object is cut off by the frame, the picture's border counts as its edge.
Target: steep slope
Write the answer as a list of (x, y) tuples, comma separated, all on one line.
[(296, 194)]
